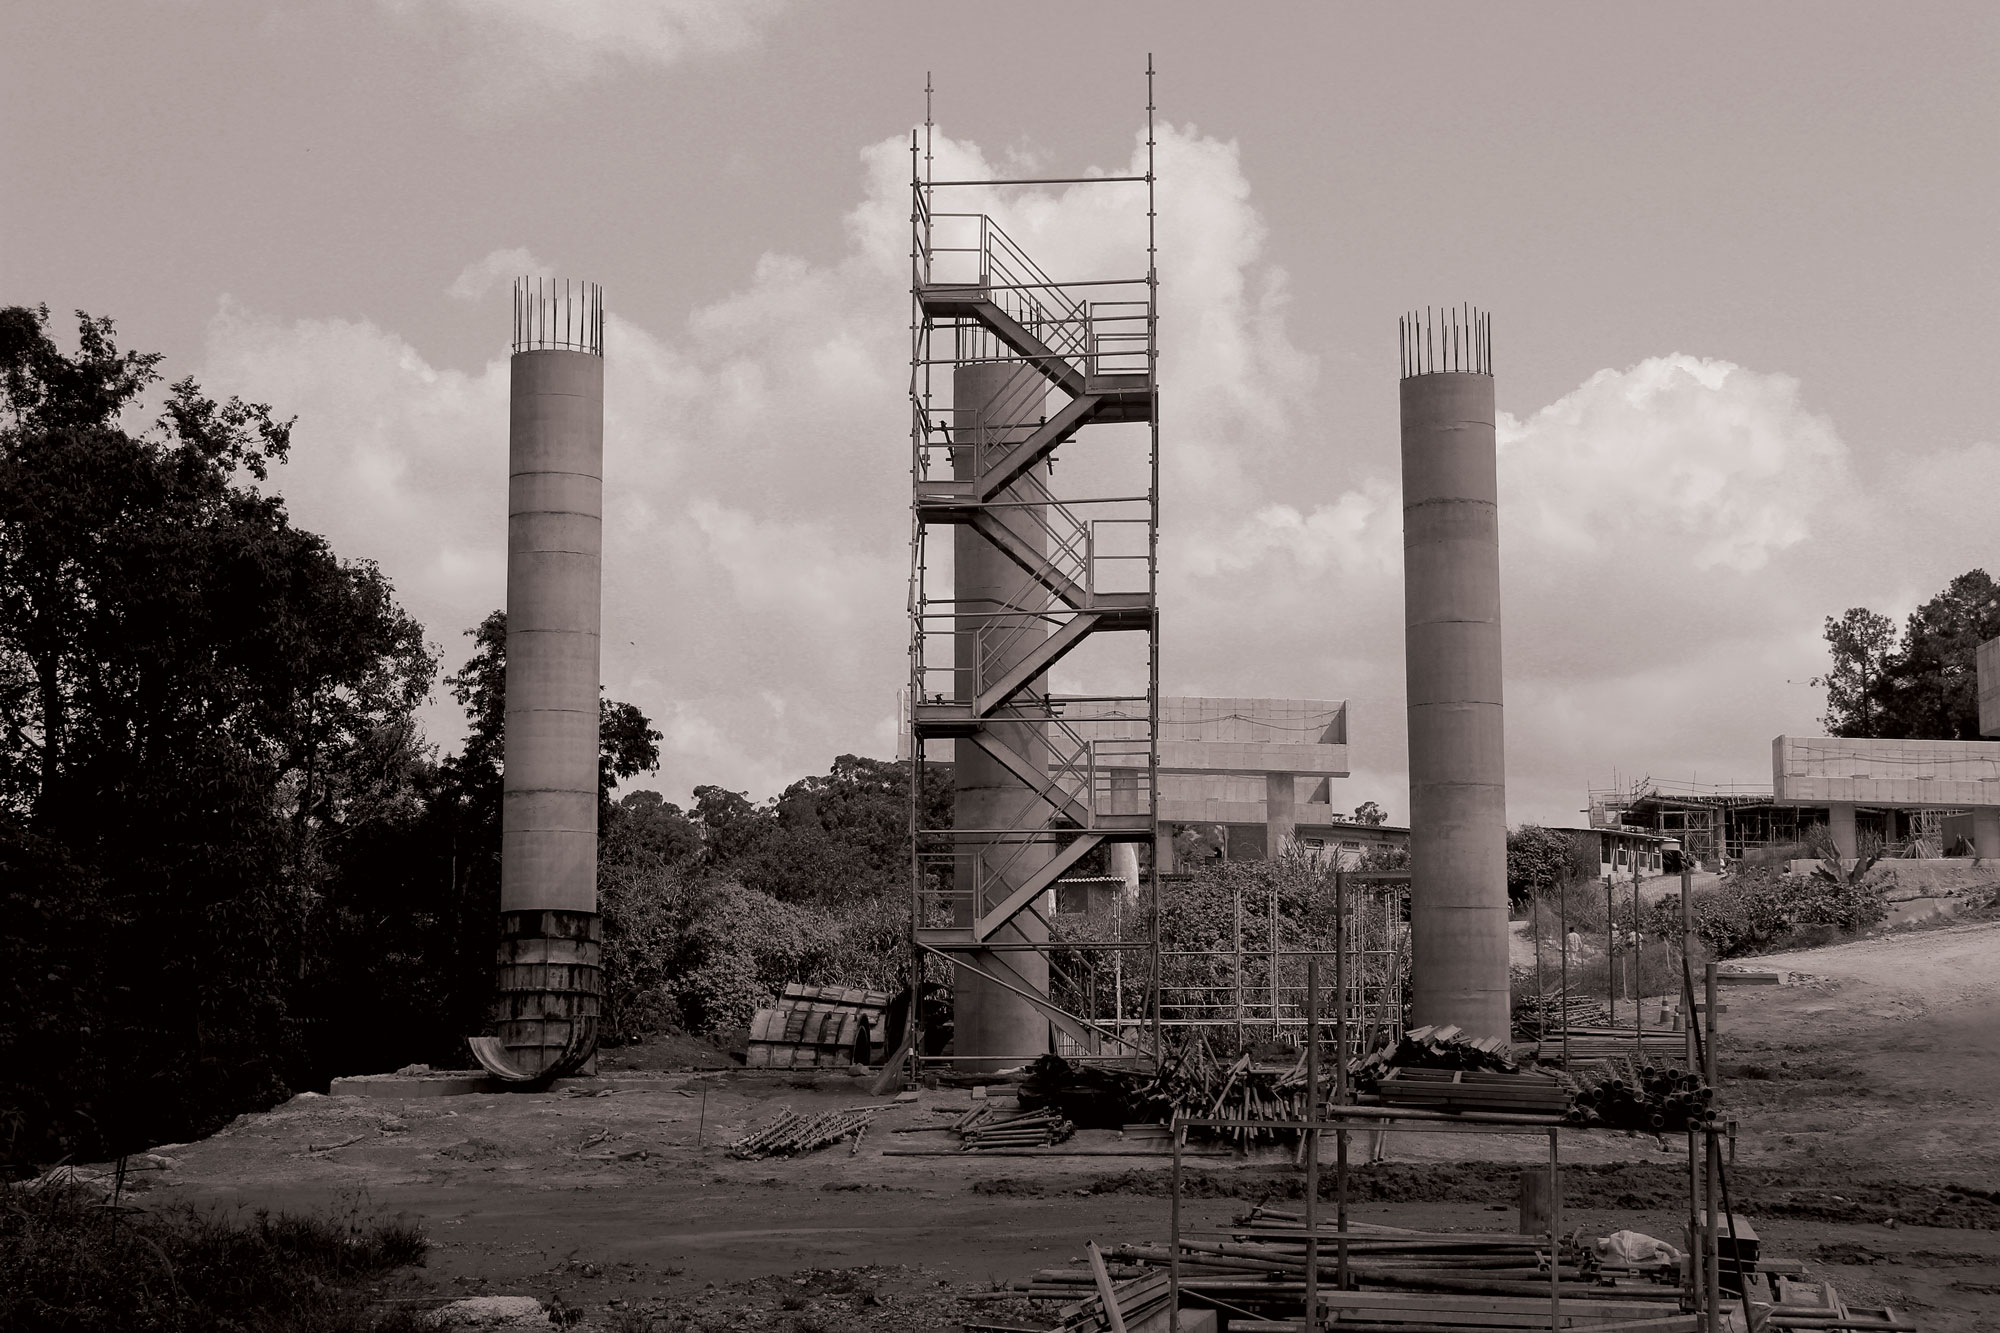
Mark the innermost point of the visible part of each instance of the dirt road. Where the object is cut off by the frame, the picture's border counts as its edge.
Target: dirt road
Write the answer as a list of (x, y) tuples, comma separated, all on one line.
[(1867, 1147)]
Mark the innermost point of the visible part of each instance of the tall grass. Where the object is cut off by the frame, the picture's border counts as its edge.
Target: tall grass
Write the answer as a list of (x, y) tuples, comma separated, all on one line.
[(68, 1262)]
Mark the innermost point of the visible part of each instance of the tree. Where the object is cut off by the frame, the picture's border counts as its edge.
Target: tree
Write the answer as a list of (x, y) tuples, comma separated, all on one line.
[(1921, 686), (1930, 685), (647, 829), (1370, 813), (1539, 859), (194, 696), (1859, 642), (627, 744)]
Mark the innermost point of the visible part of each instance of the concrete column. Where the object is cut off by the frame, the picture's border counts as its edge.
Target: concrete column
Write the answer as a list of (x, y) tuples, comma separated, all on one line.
[(549, 978), (1840, 823), (1458, 797), (1986, 832), (996, 403), (1124, 856), (1125, 865), (1281, 813)]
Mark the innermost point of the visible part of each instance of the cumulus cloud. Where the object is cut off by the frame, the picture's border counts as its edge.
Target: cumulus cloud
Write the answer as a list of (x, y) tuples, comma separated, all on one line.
[(1723, 463), (1672, 531), (513, 48), (500, 267)]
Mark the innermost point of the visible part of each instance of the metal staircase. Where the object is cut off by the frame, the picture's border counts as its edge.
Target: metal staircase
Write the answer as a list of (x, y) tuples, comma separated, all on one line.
[(1072, 357)]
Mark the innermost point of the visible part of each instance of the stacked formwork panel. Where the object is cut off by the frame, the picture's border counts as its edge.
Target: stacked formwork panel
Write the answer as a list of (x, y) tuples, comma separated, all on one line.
[(1008, 366)]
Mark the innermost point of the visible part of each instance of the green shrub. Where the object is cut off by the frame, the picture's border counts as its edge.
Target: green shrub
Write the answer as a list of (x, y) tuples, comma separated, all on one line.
[(68, 1263), (1759, 911), (684, 948)]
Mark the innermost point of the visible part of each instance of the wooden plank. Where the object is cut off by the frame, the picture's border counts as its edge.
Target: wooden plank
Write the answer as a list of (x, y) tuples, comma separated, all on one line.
[(1104, 1291)]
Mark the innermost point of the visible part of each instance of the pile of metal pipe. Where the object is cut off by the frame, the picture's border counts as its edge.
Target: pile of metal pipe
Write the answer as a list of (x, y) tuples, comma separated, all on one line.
[(1650, 1098), (980, 1129), (791, 1133)]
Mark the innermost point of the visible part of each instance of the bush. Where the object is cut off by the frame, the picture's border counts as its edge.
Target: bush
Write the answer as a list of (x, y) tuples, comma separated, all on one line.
[(1759, 911), (684, 948), (67, 1263)]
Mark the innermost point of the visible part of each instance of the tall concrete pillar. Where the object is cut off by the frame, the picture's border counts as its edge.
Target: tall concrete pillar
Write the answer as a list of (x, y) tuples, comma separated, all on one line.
[(1281, 813), (1840, 824), (550, 981), (1451, 618), (995, 404), (1123, 858)]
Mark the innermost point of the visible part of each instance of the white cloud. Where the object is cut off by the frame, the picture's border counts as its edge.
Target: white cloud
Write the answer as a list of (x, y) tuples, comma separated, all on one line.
[(513, 48), (756, 465), (1720, 462), (1672, 532), (498, 267)]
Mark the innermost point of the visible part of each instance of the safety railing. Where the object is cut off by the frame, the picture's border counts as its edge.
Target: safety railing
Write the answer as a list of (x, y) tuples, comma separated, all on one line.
[(1120, 338), (1116, 560), (970, 250)]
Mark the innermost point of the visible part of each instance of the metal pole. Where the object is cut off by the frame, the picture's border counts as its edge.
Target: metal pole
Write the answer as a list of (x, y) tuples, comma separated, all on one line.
[(1340, 1068), (1610, 952), (1562, 924), (1708, 1005), (1240, 1047), (1711, 1244), (1696, 1283), (1174, 1230), (1541, 992), (1639, 974), (1275, 1029), (1555, 1233), (1312, 1142)]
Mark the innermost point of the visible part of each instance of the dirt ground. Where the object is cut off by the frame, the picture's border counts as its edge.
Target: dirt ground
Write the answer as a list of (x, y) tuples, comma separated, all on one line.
[(1867, 1146)]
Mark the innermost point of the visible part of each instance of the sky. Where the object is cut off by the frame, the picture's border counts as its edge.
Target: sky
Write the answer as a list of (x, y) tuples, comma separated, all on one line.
[(1741, 261)]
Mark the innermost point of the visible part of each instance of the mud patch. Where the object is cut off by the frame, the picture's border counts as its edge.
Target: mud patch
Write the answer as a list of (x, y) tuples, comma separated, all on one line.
[(473, 1150)]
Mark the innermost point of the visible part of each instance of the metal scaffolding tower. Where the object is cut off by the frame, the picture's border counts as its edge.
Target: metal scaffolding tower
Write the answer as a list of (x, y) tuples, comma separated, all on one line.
[(1008, 366)]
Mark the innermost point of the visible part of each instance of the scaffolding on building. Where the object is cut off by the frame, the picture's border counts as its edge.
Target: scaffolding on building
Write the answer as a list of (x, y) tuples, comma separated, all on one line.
[(979, 678)]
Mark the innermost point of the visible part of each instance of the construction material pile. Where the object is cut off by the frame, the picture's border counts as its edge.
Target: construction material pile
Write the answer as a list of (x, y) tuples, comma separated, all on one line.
[(982, 1129), (1542, 1016), (790, 1134), (1434, 1048), (1254, 1271), (1653, 1099), (1473, 1090), (1194, 1083), (817, 1026), (1137, 1293), (1090, 1096)]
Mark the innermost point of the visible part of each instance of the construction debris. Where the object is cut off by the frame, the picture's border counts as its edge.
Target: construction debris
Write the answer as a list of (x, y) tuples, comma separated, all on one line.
[(1541, 1016), (1195, 1084), (1254, 1274), (981, 1129), (1648, 1098), (1582, 1044), (817, 1027), (1088, 1096), (1473, 1090), (790, 1134), (1434, 1048)]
